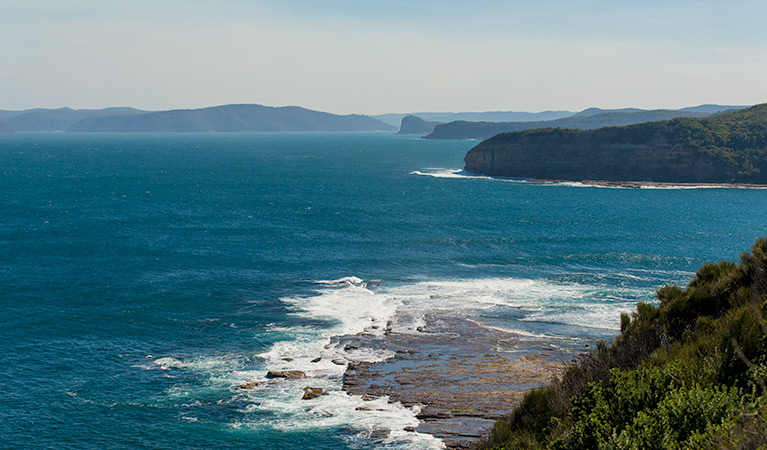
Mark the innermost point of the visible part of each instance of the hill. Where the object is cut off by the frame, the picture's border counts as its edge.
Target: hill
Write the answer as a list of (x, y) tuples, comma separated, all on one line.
[(59, 119), (689, 373), (589, 119), (231, 118), (487, 116), (5, 128), (726, 148), (416, 125)]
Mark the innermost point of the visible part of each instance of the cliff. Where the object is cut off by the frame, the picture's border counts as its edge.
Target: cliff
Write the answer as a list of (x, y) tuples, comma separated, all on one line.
[(5, 128), (589, 119), (416, 125), (727, 148), (232, 118)]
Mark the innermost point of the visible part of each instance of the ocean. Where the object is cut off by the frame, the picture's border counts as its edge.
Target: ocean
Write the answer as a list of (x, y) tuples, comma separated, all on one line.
[(145, 277)]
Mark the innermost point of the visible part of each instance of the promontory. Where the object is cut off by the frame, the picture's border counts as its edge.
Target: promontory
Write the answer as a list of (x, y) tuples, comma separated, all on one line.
[(725, 148)]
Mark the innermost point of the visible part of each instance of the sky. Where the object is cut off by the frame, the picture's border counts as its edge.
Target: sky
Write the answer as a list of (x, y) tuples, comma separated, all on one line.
[(374, 57)]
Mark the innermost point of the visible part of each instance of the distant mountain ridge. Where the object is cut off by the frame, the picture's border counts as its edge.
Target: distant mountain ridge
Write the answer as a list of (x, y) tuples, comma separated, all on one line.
[(588, 119), (485, 116), (475, 125), (724, 148), (58, 119), (231, 118)]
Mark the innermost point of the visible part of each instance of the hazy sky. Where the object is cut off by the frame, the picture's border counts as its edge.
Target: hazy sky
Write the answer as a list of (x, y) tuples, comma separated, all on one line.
[(348, 56)]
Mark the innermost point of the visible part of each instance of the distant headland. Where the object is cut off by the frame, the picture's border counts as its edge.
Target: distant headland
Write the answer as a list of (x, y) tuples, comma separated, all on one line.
[(226, 118), (588, 119), (725, 148)]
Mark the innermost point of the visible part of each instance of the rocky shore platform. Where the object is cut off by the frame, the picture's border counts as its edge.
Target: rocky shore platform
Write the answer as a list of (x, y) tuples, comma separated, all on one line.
[(462, 375), (649, 184)]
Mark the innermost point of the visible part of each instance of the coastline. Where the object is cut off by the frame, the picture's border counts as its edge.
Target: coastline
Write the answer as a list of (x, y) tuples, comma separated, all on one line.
[(653, 184), (461, 375)]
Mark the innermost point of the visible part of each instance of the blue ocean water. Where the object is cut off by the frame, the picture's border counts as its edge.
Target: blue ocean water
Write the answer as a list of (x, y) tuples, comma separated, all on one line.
[(143, 278)]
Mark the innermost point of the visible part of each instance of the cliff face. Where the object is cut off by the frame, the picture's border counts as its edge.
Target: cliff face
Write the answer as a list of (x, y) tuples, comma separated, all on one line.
[(5, 128), (731, 147), (576, 157), (416, 125)]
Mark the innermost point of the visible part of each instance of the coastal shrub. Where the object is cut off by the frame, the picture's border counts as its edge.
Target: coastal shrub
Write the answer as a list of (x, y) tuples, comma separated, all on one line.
[(682, 420), (688, 373)]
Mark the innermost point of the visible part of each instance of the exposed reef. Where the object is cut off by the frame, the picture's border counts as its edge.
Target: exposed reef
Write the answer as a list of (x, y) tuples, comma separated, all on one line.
[(452, 369)]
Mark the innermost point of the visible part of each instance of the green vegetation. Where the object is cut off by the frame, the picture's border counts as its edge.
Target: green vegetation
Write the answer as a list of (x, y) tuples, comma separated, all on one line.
[(726, 148), (689, 373)]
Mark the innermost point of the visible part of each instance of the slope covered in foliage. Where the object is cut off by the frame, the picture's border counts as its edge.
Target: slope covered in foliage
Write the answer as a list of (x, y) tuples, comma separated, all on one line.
[(689, 373), (730, 147)]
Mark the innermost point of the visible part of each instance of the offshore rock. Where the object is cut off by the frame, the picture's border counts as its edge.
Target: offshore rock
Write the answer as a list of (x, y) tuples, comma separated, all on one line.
[(289, 374), (312, 392), (248, 385)]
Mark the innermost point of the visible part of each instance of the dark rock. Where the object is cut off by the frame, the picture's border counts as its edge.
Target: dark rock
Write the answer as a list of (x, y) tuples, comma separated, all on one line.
[(381, 433), (317, 359), (289, 374), (287, 359), (312, 392), (249, 385)]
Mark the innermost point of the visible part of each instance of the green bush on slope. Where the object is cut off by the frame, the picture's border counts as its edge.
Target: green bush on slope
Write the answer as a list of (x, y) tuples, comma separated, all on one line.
[(686, 374)]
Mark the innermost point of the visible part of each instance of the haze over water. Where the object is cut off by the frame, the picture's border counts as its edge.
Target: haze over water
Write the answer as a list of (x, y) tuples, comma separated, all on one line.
[(143, 278)]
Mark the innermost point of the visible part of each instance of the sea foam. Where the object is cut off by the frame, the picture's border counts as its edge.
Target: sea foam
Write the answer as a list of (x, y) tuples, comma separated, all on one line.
[(351, 305)]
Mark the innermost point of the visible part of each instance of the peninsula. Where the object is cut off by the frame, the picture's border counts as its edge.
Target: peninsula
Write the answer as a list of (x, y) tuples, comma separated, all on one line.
[(588, 119), (725, 148)]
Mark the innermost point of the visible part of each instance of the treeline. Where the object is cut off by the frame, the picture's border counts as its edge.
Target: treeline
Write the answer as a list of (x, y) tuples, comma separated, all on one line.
[(690, 373)]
